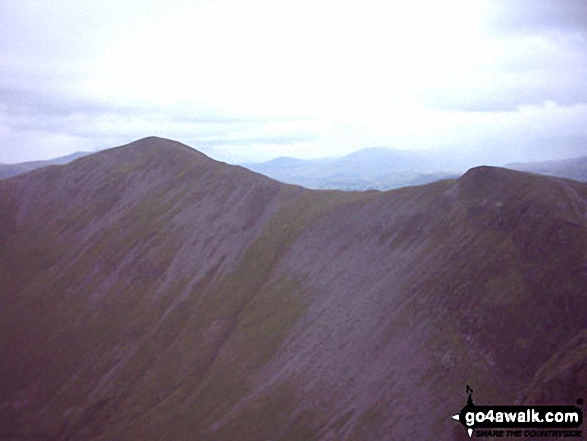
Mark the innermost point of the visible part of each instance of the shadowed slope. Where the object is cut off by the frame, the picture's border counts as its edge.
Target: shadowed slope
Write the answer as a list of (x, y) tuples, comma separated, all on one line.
[(149, 292)]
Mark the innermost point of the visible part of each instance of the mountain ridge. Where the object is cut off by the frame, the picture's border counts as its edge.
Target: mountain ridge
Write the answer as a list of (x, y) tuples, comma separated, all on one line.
[(176, 297)]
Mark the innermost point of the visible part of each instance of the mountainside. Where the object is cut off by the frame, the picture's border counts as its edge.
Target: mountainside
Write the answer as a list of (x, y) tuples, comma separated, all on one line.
[(148, 292), (372, 168), (8, 170), (575, 168)]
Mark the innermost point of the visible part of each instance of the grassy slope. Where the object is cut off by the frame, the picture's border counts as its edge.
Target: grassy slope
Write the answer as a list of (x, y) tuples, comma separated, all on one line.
[(178, 335)]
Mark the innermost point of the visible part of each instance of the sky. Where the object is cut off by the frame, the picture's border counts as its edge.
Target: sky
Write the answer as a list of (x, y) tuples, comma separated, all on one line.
[(491, 80)]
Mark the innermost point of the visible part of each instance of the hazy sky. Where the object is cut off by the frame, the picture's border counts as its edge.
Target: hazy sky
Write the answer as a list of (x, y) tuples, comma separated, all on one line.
[(251, 80)]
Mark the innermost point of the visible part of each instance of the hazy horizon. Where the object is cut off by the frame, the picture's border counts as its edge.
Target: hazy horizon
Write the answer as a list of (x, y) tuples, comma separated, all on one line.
[(487, 81), (451, 162)]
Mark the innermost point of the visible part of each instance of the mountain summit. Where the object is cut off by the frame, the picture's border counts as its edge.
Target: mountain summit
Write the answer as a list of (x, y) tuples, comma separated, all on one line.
[(149, 292)]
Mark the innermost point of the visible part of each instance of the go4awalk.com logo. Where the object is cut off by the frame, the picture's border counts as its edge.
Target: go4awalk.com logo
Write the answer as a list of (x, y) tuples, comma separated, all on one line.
[(520, 421)]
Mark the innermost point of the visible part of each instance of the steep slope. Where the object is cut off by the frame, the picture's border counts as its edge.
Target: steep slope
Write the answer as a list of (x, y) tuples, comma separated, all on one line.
[(564, 375), (149, 292)]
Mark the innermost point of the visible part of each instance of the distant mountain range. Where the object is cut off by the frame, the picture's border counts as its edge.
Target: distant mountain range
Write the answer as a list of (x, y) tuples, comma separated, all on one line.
[(8, 170), (575, 168), (148, 292), (384, 169), (373, 168)]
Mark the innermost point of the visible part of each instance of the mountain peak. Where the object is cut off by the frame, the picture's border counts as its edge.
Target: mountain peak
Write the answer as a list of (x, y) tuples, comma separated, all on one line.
[(488, 178), (157, 145), (151, 154), (485, 172)]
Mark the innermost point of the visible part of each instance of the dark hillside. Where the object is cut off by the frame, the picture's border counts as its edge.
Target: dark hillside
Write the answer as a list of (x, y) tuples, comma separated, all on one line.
[(149, 292)]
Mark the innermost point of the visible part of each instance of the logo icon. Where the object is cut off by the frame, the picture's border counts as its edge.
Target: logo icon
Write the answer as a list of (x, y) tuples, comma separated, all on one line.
[(562, 418)]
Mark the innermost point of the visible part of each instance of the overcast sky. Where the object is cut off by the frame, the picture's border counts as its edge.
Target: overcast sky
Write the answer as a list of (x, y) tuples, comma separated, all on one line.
[(252, 80)]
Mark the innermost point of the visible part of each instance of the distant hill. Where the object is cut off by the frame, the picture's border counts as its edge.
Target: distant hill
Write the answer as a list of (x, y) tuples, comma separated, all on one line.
[(373, 168), (575, 168), (148, 292), (8, 170)]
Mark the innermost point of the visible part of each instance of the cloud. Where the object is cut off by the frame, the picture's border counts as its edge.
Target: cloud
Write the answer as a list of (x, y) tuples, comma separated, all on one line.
[(507, 92), (47, 123), (270, 78), (539, 15), (42, 103)]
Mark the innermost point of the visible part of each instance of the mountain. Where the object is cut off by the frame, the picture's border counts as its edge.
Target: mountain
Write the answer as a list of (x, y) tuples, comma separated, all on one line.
[(372, 168), (148, 292), (574, 168), (8, 170)]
